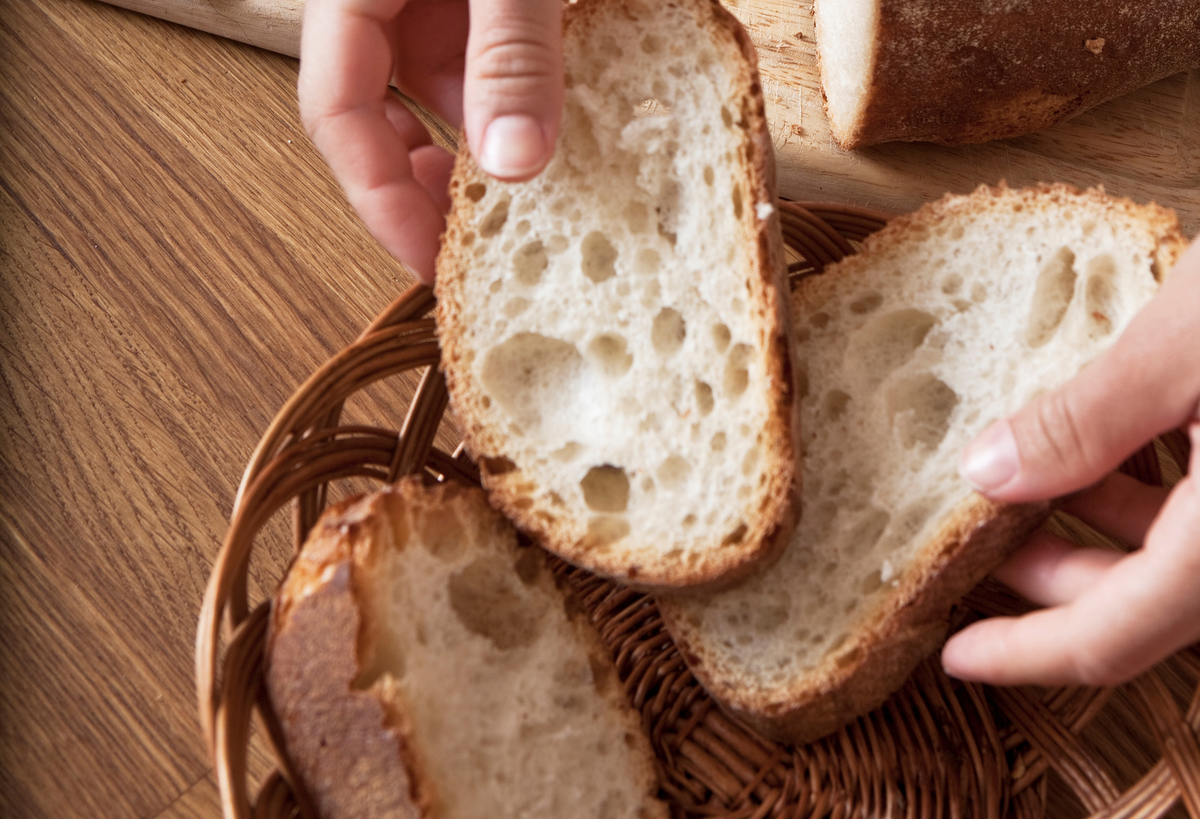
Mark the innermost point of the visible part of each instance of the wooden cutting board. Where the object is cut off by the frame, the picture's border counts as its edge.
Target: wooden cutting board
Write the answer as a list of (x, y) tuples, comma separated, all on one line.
[(1145, 145)]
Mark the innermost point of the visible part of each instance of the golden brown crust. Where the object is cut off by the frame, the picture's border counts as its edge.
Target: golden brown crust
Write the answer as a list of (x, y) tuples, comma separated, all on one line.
[(509, 485), (956, 73)]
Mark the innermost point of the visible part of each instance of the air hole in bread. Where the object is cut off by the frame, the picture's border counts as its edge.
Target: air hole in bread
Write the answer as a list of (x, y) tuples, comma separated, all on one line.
[(529, 262), (652, 44), (515, 307), (497, 466), (736, 374), (736, 535), (637, 217), (606, 529), (978, 292), (668, 332), (468, 238), (885, 343), (557, 243), (952, 284), (522, 227), (736, 196), (689, 520), (708, 175), (749, 460), (599, 257), (1101, 272), (819, 320), (834, 404), (528, 564), (920, 407), (647, 261), (610, 353), (1051, 298), (726, 117), (866, 303), (718, 442), (475, 191), (489, 603), (872, 583), (528, 372), (567, 452), (606, 489), (704, 398), (721, 337), (495, 219), (442, 533), (673, 472)]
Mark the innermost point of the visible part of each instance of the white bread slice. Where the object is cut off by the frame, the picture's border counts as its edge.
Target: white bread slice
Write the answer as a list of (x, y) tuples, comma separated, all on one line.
[(948, 319), (976, 70), (614, 331), (423, 664)]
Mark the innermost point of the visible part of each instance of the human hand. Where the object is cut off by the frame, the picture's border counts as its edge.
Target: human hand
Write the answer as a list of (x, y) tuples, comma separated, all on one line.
[(1110, 616), (492, 67)]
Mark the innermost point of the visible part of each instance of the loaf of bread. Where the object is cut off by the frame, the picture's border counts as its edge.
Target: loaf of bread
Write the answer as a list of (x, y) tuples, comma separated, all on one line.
[(976, 70), (948, 319), (614, 331), (422, 664)]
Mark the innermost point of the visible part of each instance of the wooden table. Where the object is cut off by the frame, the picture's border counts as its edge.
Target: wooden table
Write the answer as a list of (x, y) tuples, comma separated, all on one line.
[(174, 260)]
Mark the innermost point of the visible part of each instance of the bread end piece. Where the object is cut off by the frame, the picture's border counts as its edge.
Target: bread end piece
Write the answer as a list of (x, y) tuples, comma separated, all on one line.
[(423, 664), (614, 332)]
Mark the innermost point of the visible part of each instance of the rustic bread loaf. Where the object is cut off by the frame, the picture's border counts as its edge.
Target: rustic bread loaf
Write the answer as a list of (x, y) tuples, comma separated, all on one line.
[(614, 331), (948, 319), (978, 70), (423, 664)]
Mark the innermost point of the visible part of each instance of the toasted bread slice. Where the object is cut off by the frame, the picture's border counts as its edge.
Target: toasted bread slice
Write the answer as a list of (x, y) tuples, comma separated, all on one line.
[(613, 331), (423, 664), (949, 319)]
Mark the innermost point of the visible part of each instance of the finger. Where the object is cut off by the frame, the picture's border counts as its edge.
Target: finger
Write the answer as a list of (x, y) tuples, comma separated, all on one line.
[(431, 166), (1119, 506), (1147, 383), (1138, 613), (1050, 571), (431, 52), (345, 66), (513, 92)]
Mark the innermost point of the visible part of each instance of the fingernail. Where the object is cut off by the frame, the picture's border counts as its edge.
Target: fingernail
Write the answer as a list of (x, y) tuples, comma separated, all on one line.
[(991, 460), (513, 147)]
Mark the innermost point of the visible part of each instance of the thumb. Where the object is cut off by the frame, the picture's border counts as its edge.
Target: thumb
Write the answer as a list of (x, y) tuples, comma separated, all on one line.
[(513, 89), (1146, 384)]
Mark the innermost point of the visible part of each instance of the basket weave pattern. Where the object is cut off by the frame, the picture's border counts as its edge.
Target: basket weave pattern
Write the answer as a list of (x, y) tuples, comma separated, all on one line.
[(938, 747)]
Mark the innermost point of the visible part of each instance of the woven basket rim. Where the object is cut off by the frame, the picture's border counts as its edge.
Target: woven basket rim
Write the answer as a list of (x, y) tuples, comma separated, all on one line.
[(938, 747)]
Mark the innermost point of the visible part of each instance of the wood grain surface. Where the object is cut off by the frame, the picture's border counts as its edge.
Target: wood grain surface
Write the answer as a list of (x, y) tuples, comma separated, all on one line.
[(174, 260)]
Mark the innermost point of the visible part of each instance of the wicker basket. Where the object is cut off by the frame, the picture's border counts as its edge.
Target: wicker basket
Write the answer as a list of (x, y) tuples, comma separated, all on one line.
[(937, 748)]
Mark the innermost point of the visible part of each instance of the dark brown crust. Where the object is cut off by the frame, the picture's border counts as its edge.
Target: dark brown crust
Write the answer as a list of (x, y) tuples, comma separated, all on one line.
[(912, 621), (509, 485), (965, 72)]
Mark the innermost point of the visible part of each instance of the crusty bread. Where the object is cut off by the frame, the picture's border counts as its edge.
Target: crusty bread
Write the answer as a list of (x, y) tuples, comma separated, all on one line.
[(423, 664), (976, 70), (614, 331), (948, 319)]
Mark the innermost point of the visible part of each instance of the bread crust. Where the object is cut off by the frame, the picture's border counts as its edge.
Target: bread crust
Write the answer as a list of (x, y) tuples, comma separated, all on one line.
[(911, 622), (509, 485), (354, 747), (957, 73)]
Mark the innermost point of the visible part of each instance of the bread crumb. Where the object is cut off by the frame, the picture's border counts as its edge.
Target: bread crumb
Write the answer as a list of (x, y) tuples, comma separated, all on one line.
[(1095, 46), (887, 571), (764, 211)]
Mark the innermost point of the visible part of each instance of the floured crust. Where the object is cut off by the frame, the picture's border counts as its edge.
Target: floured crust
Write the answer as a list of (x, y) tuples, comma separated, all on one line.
[(353, 735), (511, 486), (911, 621), (956, 73)]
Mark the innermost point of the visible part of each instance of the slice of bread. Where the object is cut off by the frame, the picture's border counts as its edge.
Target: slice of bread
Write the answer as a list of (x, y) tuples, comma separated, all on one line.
[(614, 331), (423, 664), (976, 70), (949, 319)]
